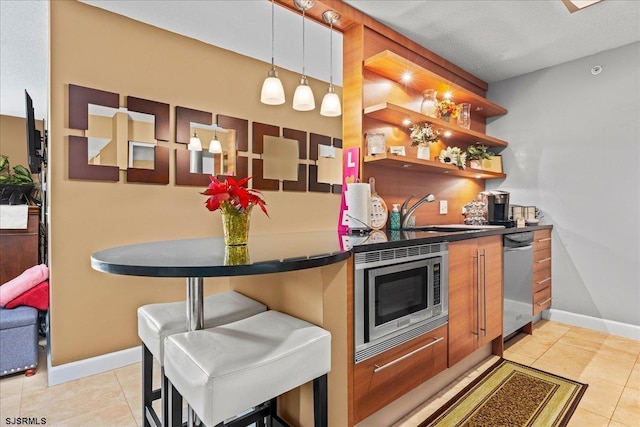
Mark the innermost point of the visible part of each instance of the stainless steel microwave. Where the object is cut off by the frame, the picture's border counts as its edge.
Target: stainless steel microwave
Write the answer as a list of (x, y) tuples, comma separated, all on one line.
[(399, 294)]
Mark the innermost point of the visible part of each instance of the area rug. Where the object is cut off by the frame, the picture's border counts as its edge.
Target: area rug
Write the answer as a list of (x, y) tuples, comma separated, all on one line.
[(513, 395)]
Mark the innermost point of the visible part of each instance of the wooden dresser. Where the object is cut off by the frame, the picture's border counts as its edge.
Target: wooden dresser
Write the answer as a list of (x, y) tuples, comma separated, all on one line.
[(19, 247)]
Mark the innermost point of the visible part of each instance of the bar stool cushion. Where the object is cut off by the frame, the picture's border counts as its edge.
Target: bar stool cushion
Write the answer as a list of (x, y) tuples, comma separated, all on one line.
[(157, 321), (225, 370)]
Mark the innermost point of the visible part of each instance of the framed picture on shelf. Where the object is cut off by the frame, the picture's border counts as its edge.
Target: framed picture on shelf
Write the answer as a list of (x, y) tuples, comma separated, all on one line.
[(397, 150), (494, 164), (376, 143)]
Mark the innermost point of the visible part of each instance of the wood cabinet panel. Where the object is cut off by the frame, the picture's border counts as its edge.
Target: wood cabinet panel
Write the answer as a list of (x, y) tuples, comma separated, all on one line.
[(541, 300), (541, 260), (382, 379), (475, 295), (463, 300), (542, 290)]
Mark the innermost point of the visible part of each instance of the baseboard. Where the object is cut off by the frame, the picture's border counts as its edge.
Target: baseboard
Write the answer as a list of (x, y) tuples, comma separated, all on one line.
[(609, 326), (94, 365)]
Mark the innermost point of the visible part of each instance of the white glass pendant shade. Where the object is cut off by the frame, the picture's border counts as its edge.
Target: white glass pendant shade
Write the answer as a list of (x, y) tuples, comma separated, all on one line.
[(303, 99), (194, 143), (331, 106), (272, 90), (215, 146)]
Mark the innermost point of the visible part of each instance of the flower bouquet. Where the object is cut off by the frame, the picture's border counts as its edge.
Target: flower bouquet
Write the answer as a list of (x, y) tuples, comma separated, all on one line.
[(235, 203), (423, 134), (454, 156), (447, 109)]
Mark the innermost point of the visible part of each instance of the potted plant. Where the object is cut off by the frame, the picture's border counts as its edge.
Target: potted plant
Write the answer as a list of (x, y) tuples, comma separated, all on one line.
[(15, 185), (476, 154)]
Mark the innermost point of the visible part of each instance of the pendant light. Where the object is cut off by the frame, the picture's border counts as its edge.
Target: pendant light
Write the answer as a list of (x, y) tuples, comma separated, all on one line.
[(194, 143), (215, 146), (303, 97), (331, 102), (272, 91)]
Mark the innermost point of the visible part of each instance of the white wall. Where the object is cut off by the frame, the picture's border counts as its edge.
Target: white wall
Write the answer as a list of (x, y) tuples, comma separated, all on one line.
[(574, 151)]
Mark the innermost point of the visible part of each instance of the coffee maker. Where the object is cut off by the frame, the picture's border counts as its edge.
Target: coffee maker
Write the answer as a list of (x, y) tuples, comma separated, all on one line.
[(497, 204)]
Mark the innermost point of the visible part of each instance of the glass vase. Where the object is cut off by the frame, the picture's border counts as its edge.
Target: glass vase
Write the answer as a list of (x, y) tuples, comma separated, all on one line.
[(236, 255), (235, 224), (429, 106), (464, 116)]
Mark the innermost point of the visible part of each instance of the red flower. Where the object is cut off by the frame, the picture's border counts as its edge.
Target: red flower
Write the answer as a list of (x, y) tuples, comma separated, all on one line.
[(232, 192)]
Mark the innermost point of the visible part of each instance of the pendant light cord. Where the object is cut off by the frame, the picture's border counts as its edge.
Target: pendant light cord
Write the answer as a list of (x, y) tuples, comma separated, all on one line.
[(331, 55), (272, 36), (303, 12)]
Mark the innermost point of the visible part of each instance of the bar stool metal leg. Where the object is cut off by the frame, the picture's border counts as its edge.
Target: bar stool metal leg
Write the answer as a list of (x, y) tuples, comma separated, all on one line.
[(320, 413)]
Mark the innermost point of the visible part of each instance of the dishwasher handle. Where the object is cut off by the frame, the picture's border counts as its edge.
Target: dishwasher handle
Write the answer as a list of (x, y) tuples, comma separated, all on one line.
[(519, 249)]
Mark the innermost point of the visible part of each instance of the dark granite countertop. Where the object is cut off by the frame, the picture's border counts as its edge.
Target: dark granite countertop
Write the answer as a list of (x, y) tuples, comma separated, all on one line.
[(387, 239), (209, 257), (265, 253)]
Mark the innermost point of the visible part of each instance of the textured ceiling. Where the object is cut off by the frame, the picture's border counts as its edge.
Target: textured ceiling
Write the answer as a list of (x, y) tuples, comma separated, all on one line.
[(498, 39), (493, 39)]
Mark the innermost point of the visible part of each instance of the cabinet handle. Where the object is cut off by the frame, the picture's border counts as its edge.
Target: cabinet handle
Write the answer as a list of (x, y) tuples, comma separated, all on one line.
[(544, 302), (546, 239), (393, 362), (478, 308), (484, 288), (542, 281), (544, 260)]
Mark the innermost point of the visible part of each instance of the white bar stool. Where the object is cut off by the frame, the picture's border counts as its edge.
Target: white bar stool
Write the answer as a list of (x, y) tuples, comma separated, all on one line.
[(228, 369), (158, 321)]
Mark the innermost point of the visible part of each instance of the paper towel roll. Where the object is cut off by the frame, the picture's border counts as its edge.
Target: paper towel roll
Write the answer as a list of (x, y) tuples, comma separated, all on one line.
[(357, 199)]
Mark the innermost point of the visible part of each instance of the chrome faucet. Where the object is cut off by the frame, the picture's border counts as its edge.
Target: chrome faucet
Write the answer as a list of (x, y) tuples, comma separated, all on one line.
[(408, 213)]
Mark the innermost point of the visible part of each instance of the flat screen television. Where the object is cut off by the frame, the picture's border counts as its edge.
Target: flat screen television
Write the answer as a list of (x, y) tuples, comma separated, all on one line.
[(34, 138)]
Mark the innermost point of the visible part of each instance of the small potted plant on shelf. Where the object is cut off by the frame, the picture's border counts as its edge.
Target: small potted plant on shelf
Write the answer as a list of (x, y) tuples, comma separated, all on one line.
[(447, 109), (476, 154), (16, 186), (454, 156), (423, 135)]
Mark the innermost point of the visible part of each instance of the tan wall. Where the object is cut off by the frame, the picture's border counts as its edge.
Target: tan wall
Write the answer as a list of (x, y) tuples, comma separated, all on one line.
[(94, 313)]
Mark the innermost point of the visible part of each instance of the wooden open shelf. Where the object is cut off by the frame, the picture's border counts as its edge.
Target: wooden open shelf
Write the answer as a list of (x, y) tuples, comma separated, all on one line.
[(393, 66), (403, 162), (396, 114)]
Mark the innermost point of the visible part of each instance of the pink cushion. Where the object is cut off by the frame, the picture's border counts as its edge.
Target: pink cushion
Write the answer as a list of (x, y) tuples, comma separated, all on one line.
[(36, 297), (27, 280)]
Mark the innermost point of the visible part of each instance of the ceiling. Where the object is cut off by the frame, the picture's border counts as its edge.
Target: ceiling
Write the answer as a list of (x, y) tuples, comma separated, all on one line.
[(492, 39)]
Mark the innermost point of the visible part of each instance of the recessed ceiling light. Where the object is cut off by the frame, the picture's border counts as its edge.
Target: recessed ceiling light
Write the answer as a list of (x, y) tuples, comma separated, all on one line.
[(406, 77), (576, 5), (406, 122)]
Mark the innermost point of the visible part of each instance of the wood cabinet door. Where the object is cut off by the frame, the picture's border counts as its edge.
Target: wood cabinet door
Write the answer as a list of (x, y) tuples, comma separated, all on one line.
[(463, 301), (382, 379), (491, 289)]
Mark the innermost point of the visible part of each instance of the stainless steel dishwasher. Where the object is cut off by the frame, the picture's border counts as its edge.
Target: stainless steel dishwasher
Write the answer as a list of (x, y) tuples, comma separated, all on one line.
[(518, 281)]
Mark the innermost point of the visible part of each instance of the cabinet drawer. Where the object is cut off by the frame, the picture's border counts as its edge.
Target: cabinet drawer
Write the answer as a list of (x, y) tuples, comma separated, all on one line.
[(541, 260), (542, 240), (382, 379), (541, 279), (541, 300)]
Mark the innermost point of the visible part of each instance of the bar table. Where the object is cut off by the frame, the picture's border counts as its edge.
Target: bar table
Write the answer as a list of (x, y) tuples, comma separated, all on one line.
[(195, 259)]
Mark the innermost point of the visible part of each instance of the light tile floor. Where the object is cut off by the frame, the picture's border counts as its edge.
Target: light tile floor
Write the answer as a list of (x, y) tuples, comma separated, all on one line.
[(608, 363)]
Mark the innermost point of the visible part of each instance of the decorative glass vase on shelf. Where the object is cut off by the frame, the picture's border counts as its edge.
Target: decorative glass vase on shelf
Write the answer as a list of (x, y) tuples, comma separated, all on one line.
[(429, 106), (464, 115)]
